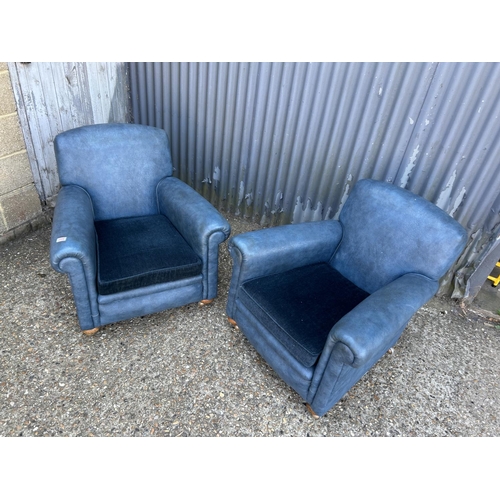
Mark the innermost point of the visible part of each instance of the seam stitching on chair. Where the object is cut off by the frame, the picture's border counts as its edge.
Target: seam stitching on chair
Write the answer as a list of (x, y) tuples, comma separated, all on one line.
[(237, 287), (87, 193), (421, 275), (344, 366), (89, 299), (339, 243), (146, 273), (157, 197), (207, 259), (339, 376)]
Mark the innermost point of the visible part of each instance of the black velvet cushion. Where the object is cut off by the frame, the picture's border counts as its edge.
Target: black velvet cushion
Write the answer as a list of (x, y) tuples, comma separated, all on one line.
[(139, 251), (300, 307)]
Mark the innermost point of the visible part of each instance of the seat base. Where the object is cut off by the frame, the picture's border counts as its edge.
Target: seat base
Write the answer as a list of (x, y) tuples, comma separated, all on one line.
[(136, 252), (149, 300), (300, 307)]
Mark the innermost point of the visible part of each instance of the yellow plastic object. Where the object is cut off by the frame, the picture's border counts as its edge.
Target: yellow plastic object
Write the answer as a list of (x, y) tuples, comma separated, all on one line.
[(497, 279)]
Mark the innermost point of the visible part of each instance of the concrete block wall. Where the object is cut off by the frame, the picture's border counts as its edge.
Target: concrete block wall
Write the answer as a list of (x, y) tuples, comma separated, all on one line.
[(20, 207)]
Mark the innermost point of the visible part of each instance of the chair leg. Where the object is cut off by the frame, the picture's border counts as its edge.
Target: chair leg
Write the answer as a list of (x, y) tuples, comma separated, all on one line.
[(205, 302), (233, 323), (312, 412), (90, 332)]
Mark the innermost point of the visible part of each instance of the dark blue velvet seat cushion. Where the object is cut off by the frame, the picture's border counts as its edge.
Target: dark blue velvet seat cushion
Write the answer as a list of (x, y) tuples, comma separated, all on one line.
[(300, 307), (134, 252)]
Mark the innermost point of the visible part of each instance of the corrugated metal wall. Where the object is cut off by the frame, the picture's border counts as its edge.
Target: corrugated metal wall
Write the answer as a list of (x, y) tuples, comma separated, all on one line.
[(279, 142), (285, 142), (54, 97)]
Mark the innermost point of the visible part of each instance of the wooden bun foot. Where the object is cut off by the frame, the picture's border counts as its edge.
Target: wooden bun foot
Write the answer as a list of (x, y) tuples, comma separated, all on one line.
[(205, 302), (90, 332), (312, 412), (233, 323)]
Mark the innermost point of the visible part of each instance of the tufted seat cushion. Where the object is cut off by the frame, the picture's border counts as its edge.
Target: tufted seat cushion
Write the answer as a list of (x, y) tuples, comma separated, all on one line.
[(135, 252), (300, 307)]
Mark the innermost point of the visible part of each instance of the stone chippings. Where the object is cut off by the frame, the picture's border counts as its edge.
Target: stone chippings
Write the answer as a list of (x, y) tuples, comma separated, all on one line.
[(186, 372)]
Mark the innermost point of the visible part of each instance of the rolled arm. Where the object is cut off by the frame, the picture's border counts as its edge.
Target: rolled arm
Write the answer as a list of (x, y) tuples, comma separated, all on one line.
[(73, 250), (73, 233), (193, 216), (279, 249), (199, 222), (380, 318)]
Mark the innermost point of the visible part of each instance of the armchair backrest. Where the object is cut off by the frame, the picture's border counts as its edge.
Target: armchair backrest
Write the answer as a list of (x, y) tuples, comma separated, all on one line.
[(389, 231), (118, 164)]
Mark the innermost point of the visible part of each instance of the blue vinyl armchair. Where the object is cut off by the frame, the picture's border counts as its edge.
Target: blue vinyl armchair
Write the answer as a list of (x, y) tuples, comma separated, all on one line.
[(133, 239), (323, 301)]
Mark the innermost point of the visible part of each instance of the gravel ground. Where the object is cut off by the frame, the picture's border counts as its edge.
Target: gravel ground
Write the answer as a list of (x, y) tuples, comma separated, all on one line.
[(186, 372)]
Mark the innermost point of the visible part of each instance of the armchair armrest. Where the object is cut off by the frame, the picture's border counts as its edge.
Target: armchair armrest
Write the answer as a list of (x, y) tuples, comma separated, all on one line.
[(73, 250), (378, 321), (201, 225), (193, 216), (73, 233), (279, 249)]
